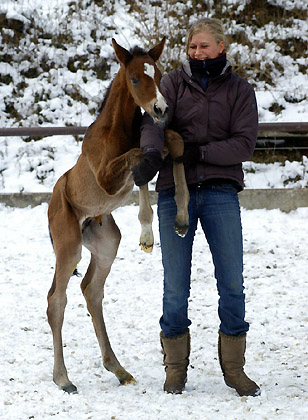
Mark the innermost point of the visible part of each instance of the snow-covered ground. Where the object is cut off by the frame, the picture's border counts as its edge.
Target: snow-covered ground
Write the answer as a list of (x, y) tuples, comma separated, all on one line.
[(276, 272)]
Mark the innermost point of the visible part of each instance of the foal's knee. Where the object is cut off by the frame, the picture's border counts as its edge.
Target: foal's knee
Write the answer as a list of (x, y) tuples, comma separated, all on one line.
[(174, 143)]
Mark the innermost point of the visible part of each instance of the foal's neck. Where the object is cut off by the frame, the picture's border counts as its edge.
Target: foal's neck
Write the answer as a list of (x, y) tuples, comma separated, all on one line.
[(120, 108)]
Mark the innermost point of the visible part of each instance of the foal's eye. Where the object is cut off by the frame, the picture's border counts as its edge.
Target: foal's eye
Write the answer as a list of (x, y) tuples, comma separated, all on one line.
[(134, 80)]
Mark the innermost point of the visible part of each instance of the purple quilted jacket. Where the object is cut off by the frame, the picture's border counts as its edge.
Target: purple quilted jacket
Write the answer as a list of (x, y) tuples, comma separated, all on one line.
[(223, 120)]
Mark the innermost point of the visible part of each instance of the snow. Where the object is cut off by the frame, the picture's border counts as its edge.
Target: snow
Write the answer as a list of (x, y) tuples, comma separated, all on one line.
[(276, 270)]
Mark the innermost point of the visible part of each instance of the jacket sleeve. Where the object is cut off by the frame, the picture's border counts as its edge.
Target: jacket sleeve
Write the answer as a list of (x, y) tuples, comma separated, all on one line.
[(152, 134), (240, 145)]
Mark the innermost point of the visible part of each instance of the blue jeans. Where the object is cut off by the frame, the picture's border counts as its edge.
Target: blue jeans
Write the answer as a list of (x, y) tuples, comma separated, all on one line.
[(217, 208)]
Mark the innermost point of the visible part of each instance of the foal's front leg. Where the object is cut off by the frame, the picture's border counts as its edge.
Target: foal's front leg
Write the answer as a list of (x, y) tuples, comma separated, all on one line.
[(145, 217), (114, 176), (175, 145)]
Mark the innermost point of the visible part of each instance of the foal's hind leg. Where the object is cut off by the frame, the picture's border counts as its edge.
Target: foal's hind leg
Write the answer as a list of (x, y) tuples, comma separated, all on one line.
[(102, 240), (66, 236)]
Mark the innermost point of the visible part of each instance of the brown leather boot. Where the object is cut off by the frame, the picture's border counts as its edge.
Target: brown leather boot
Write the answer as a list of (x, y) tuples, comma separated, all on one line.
[(231, 351), (176, 358)]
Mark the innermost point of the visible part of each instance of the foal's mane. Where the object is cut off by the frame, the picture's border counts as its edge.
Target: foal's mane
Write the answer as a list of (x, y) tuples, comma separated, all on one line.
[(105, 97), (136, 52)]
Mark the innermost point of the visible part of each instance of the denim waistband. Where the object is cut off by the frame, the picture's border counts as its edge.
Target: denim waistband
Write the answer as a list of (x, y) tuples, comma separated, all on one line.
[(213, 183)]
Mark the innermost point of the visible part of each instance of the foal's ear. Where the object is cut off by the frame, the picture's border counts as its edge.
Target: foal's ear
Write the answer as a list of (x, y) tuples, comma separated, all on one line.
[(156, 51), (122, 54)]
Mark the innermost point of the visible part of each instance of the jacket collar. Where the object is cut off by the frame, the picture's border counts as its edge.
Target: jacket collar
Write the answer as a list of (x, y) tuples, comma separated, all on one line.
[(187, 70)]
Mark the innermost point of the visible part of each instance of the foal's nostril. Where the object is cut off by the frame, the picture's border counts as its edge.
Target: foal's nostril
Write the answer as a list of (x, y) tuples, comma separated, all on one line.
[(159, 112)]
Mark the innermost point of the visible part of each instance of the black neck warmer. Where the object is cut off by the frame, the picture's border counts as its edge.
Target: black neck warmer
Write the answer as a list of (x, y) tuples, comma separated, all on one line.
[(203, 70)]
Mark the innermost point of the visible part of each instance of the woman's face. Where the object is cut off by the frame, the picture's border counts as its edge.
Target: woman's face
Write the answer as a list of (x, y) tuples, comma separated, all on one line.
[(203, 45)]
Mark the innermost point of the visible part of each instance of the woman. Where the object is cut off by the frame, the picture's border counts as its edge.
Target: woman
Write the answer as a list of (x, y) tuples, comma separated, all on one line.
[(215, 112)]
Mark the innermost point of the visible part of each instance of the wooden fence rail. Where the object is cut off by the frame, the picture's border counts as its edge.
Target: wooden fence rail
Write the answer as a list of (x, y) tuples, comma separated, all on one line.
[(271, 129)]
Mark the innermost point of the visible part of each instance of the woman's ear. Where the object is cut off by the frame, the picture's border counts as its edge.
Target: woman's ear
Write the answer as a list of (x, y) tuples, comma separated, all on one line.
[(221, 47)]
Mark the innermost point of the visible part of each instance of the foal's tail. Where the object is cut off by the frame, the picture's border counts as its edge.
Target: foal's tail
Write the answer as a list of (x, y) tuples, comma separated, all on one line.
[(50, 236)]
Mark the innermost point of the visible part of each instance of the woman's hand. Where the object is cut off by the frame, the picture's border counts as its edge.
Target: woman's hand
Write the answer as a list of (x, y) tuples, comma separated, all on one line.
[(191, 155), (147, 169)]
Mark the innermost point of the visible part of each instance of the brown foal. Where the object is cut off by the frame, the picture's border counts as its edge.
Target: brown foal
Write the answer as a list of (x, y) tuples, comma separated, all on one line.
[(83, 198)]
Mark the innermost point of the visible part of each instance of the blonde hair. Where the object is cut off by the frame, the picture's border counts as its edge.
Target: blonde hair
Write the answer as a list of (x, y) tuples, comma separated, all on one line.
[(211, 25)]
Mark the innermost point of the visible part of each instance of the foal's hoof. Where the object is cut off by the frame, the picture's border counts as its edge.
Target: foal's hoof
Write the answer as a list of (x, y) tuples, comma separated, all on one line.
[(70, 389), (146, 248), (127, 380), (181, 230)]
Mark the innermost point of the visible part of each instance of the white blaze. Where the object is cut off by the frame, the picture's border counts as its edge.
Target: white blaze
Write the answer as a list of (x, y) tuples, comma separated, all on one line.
[(149, 70), (161, 103)]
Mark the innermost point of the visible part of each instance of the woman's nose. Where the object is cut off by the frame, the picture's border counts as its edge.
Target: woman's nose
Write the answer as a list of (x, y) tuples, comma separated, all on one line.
[(198, 51)]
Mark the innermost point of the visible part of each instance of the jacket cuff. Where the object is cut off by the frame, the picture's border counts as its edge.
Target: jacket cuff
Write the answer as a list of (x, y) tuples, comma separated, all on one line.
[(151, 150)]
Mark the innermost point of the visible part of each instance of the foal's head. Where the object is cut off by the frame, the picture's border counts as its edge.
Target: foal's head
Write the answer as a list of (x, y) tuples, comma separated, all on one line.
[(143, 78)]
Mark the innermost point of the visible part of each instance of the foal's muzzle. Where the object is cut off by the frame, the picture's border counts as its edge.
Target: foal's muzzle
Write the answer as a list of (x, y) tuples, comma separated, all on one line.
[(160, 115)]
